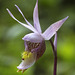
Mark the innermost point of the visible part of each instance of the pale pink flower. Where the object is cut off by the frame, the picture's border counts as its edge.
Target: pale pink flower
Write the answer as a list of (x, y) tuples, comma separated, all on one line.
[(35, 41)]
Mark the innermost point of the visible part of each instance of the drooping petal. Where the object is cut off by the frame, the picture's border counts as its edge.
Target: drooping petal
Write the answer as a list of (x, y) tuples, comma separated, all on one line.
[(27, 26), (50, 31), (55, 41), (25, 64), (36, 19), (22, 15)]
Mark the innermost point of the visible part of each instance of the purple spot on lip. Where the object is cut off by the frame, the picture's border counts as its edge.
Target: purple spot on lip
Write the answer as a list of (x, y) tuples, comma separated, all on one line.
[(22, 58)]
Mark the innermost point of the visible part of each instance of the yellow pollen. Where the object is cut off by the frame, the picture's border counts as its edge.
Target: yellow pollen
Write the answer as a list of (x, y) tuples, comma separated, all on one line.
[(26, 55)]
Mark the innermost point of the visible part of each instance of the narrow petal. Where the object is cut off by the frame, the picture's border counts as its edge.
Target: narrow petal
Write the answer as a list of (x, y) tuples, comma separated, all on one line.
[(50, 31), (27, 26), (55, 41), (22, 15), (36, 19)]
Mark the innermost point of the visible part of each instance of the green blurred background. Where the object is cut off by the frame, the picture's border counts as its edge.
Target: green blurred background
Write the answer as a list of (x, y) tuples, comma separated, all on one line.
[(11, 33)]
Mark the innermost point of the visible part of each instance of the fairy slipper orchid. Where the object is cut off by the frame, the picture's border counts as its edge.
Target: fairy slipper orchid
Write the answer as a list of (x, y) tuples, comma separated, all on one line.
[(35, 42)]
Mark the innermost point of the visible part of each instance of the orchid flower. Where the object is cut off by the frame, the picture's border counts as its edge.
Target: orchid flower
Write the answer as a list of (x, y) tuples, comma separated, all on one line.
[(35, 42)]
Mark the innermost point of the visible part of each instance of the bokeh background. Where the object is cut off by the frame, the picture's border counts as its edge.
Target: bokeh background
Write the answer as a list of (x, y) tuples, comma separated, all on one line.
[(11, 33)]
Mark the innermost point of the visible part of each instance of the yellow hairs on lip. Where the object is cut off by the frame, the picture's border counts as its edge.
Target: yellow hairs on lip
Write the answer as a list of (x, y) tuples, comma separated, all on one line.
[(26, 55)]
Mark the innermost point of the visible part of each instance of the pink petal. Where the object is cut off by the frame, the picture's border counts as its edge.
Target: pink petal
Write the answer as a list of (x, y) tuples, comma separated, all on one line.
[(27, 26), (55, 41), (22, 15), (36, 19), (51, 30)]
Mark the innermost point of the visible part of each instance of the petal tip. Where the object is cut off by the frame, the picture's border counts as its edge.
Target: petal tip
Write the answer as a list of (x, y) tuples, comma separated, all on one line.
[(7, 9), (66, 18), (23, 38), (15, 5)]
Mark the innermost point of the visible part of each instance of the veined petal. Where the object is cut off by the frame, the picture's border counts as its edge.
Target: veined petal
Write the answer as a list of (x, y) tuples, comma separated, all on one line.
[(27, 26), (25, 64), (22, 15), (36, 19), (55, 41), (50, 31)]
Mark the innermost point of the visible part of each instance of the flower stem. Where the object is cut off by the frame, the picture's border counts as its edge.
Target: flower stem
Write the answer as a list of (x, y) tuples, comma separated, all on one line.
[(55, 57)]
